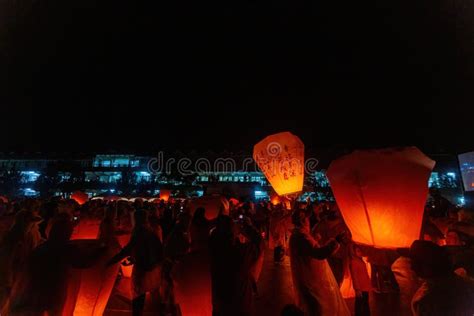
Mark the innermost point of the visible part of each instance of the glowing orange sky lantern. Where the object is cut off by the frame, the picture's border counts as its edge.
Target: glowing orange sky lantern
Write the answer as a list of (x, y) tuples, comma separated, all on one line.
[(281, 159), (80, 197), (382, 194), (165, 195)]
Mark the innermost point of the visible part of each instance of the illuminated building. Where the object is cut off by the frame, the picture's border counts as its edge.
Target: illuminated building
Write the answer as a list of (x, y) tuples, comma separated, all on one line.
[(130, 174)]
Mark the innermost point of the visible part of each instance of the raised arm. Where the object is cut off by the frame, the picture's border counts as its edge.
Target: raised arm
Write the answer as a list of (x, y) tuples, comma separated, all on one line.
[(314, 251), (125, 252)]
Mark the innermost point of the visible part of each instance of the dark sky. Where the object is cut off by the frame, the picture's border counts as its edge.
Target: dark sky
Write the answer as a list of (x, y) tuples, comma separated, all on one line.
[(90, 75)]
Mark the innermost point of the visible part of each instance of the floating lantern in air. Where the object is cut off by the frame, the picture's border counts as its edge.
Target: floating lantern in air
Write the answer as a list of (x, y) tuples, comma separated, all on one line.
[(281, 159), (382, 194), (80, 197), (165, 195)]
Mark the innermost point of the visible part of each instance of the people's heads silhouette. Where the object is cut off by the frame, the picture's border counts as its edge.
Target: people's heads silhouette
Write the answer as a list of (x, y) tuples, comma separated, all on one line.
[(428, 260), (199, 216), (62, 228), (25, 218), (225, 227), (300, 219), (110, 213), (24, 223), (141, 218)]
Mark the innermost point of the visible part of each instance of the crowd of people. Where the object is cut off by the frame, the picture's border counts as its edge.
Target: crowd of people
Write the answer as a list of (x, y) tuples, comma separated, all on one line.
[(191, 264)]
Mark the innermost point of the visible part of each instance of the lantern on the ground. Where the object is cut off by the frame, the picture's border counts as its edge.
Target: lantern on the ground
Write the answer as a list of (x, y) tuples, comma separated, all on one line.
[(80, 197), (165, 195), (382, 194), (281, 159)]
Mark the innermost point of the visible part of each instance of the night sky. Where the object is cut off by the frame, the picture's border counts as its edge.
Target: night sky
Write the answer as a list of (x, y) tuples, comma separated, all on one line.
[(90, 75)]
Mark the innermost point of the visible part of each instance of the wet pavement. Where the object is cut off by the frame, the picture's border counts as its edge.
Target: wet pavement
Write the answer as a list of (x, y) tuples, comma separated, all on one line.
[(275, 287), (275, 290)]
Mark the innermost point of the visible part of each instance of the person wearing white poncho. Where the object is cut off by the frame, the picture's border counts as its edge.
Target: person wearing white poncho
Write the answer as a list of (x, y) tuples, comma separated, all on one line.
[(316, 289)]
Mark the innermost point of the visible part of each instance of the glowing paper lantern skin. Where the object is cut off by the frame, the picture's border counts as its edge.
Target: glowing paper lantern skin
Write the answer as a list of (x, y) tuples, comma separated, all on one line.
[(281, 159), (165, 195), (80, 197), (382, 194), (192, 281), (88, 228), (96, 284)]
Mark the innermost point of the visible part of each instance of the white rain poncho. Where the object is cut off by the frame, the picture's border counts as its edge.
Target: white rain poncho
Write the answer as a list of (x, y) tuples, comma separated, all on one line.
[(316, 289)]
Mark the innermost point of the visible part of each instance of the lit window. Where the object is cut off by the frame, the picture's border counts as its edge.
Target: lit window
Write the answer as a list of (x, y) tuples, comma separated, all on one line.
[(29, 176), (30, 192), (260, 194), (120, 162), (434, 181), (143, 176)]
